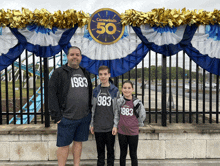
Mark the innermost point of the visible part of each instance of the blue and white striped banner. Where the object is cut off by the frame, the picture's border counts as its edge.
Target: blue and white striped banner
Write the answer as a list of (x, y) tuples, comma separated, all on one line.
[(120, 57), (202, 47)]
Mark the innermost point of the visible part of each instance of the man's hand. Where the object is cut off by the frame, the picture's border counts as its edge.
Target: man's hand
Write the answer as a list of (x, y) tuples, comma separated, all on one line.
[(58, 121), (114, 131), (92, 130)]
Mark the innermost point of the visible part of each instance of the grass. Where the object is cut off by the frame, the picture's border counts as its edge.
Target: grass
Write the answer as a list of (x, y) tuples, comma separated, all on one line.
[(17, 92)]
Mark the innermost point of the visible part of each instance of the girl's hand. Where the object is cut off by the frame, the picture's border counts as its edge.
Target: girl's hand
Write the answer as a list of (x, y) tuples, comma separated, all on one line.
[(92, 130), (114, 131)]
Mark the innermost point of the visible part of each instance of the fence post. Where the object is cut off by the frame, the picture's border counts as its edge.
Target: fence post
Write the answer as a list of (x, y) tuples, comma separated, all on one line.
[(46, 80), (116, 81), (164, 91), (0, 98)]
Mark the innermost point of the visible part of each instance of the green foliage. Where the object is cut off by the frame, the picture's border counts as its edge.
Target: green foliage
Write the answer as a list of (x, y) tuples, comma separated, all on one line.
[(154, 72)]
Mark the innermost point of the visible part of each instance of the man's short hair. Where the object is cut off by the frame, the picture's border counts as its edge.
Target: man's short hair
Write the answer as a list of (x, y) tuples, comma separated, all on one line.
[(74, 47), (104, 68)]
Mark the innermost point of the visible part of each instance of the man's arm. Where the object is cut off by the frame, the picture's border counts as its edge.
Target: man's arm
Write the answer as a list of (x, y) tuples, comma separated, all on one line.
[(93, 113), (53, 98)]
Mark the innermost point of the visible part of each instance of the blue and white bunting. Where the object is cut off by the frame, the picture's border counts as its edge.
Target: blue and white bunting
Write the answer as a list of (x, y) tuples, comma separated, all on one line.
[(165, 40), (10, 48), (205, 48), (42, 41), (7, 40), (201, 44), (120, 57)]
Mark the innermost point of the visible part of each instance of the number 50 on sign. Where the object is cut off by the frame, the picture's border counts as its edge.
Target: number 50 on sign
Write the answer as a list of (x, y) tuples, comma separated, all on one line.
[(105, 26)]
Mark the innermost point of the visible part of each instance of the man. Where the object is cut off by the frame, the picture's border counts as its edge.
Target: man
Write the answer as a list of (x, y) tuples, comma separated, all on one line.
[(103, 111), (70, 93)]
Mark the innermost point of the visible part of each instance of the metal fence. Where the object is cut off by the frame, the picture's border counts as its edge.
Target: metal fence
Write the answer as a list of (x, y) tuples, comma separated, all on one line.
[(173, 89)]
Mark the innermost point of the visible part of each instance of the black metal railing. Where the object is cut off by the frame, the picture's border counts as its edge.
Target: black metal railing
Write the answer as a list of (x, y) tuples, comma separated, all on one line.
[(173, 89)]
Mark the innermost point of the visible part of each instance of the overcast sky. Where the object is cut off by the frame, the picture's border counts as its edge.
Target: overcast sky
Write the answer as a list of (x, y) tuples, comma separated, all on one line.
[(90, 6)]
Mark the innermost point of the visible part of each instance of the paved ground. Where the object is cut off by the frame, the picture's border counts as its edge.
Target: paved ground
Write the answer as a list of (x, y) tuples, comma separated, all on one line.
[(183, 162)]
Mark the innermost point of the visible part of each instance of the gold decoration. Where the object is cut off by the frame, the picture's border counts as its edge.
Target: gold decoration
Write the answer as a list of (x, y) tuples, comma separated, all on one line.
[(67, 19), (173, 18)]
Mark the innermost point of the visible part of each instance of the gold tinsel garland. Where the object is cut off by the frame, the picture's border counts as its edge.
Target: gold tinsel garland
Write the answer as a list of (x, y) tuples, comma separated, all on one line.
[(162, 17), (67, 19)]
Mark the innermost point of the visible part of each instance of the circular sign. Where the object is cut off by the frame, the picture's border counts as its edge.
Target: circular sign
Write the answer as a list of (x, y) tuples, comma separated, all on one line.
[(105, 26)]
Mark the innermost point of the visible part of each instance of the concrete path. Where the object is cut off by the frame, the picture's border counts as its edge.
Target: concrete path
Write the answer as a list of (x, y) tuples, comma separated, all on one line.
[(183, 162)]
